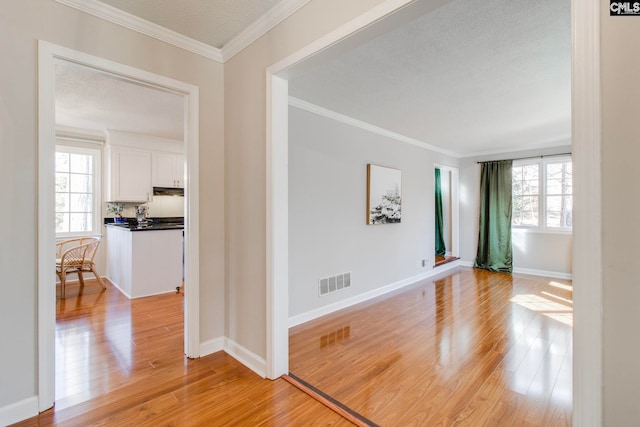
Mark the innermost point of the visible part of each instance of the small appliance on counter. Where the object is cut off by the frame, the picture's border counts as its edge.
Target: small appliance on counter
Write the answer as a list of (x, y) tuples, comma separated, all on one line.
[(141, 216)]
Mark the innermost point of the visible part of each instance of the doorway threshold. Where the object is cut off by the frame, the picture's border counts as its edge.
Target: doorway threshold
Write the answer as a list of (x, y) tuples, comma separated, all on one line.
[(441, 260)]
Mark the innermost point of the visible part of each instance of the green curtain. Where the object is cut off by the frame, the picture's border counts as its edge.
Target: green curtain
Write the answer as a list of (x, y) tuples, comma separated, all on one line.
[(495, 252), (440, 248)]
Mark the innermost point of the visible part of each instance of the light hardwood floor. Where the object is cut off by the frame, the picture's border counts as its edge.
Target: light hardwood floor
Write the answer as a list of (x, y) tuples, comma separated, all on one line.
[(120, 362), (472, 348)]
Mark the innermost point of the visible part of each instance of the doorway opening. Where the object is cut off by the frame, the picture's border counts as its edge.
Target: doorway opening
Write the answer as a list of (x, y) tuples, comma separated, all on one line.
[(49, 55), (446, 215)]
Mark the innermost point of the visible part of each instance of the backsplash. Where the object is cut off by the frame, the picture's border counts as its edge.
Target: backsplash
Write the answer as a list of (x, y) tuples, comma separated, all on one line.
[(161, 206)]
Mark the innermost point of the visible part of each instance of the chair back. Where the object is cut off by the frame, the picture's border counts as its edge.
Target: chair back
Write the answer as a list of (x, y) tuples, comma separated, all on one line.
[(74, 257), (63, 245), (92, 247)]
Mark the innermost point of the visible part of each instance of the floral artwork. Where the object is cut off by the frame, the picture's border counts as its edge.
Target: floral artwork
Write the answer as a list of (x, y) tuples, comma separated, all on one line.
[(384, 200)]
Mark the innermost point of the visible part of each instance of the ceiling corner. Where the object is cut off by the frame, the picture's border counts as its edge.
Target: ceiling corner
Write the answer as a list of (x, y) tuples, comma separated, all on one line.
[(132, 22), (273, 17)]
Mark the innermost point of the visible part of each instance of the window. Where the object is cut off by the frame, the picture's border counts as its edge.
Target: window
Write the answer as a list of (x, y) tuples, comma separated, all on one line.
[(542, 194), (77, 196)]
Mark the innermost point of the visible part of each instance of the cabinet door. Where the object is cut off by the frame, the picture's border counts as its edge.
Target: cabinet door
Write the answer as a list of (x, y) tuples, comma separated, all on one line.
[(180, 170), (130, 175), (164, 170)]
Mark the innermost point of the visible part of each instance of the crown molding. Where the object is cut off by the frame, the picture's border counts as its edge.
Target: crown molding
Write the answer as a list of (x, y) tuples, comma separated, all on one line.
[(132, 22), (312, 108), (563, 141), (261, 26), (90, 135)]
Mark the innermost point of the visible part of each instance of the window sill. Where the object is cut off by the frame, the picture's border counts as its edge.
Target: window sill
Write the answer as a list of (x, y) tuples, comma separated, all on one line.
[(67, 236), (541, 231)]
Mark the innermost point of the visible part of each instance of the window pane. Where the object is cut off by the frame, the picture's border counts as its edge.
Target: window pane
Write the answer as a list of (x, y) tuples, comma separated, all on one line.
[(554, 170), (559, 211), (530, 172), (567, 186), (530, 218), (553, 219), (554, 186), (554, 203), (81, 202), (62, 162), (62, 222), (81, 163), (81, 183), (567, 213), (516, 173), (62, 202), (531, 187), (79, 222), (62, 182), (525, 210)]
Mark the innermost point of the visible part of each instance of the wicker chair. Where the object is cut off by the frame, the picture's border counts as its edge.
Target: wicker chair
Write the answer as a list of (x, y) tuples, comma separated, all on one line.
[(78, 258)]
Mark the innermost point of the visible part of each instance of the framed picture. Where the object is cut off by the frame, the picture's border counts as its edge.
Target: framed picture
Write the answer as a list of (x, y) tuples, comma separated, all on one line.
[(384, 190)]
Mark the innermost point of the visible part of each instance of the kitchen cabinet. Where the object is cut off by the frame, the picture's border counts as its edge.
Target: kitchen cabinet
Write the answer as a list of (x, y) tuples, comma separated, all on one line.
[(129, 174), (144, 263), (168, 170)]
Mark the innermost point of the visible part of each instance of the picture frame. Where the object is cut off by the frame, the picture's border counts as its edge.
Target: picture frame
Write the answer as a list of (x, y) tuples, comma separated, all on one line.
[(384, 195)]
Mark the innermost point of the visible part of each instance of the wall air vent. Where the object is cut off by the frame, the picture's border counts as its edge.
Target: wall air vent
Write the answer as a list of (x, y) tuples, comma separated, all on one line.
[(327, 285)]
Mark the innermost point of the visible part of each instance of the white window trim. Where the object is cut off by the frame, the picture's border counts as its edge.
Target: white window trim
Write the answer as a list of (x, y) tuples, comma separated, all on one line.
[(86, 147), (542, 196)]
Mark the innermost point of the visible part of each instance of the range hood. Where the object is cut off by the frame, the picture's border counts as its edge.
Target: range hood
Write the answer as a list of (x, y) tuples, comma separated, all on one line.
[(168, 191)]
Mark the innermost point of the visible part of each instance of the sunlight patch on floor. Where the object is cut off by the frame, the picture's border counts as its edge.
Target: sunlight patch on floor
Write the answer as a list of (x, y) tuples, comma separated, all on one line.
[(552, 309)]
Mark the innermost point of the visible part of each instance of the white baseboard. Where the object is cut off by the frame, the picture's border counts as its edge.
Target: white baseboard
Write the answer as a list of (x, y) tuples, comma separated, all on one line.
[(531, 271), (115, 285), (249, 359), (544, 273), (339, 305), (19, 411), (212, 346)]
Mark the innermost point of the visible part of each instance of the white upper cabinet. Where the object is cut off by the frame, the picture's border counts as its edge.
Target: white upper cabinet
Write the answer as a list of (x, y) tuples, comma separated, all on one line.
[(129, 172), (168, 170), (135, 163)]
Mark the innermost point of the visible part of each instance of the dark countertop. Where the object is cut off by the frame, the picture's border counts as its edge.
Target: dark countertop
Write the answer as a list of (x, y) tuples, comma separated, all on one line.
[(174, 223)]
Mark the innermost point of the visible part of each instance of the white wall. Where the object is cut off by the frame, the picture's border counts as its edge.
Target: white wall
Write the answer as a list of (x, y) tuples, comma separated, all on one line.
[(620, 65), (532, 250), (22, 24), (328, 234)]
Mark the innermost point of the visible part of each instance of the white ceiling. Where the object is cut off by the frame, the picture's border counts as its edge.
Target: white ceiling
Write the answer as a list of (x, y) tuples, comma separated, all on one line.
[(474, 76), (214, 22), (90, 100)]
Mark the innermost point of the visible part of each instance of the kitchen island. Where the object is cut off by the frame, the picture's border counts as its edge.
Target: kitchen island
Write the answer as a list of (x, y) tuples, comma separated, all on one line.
[(144, 261)]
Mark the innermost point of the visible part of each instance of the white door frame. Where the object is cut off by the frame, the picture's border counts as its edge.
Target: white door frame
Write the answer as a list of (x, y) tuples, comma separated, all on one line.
[(48, 53), (587, 268)]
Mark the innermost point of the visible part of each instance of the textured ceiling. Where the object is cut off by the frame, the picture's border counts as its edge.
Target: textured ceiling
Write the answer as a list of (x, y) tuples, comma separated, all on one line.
[(214, 22), (472, 76), (91, 100)]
